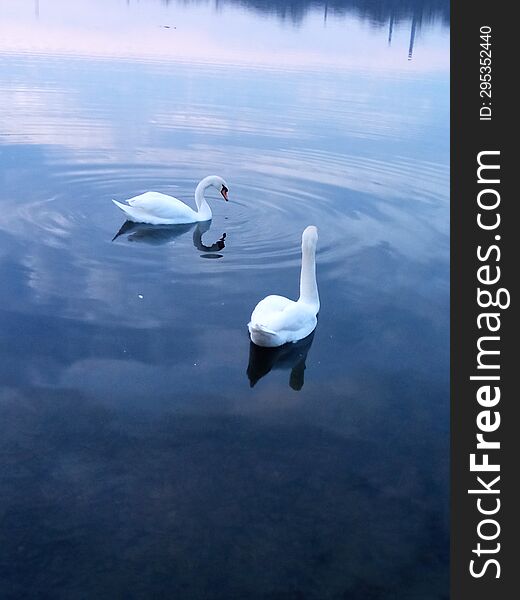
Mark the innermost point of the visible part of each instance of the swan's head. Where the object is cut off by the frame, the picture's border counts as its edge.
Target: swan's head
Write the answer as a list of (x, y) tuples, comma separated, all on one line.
[(217, 182), (310, 237)]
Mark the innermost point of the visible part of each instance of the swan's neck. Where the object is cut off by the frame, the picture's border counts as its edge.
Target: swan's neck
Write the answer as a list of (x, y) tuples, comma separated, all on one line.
[(308, 285), (203, 209)]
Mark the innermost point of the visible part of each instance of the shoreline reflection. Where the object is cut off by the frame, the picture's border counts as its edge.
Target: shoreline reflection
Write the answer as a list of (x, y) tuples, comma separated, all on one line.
[(403, 23), (378, 12)]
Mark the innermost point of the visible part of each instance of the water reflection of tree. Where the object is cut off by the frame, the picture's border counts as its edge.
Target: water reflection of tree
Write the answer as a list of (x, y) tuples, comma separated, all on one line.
[(378, 12)]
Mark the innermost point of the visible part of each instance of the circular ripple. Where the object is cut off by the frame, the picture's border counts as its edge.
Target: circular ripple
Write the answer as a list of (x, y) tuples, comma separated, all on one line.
[(271, 202)]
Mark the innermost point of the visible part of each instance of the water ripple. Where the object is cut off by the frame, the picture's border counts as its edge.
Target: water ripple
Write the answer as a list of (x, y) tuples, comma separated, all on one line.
[(350, 199)]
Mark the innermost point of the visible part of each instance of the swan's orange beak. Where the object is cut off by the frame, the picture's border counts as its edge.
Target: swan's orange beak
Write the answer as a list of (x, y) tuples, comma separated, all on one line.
[(224, 192)]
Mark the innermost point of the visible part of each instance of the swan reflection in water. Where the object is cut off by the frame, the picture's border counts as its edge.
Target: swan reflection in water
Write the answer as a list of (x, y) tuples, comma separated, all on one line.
[(289, 356), (164, 234)]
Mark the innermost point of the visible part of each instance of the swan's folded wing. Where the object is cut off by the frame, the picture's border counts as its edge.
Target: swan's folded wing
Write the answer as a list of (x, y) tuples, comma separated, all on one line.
[(295, 317), (132, 213), (279, 314), (269, 306), (160, 205)]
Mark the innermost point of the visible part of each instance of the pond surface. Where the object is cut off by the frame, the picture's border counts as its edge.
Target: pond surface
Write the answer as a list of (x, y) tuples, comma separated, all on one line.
[(147, 450)]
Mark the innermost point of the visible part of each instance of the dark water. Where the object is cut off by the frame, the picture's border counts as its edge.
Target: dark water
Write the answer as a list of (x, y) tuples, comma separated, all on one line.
[(146, 450)]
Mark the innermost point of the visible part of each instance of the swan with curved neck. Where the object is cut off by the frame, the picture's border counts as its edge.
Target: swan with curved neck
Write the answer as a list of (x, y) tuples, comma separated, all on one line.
[(276, 320), (160, 209)]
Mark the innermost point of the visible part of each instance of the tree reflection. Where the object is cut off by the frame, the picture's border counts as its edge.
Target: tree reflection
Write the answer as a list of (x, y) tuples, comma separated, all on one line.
[(378, 12)]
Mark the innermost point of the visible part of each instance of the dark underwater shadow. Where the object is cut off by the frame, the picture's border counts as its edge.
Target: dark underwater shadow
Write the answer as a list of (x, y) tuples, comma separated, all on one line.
[(157, 235), (289, 356)]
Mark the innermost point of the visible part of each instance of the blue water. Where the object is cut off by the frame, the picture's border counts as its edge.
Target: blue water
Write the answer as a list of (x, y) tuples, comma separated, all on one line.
[(147, 449)]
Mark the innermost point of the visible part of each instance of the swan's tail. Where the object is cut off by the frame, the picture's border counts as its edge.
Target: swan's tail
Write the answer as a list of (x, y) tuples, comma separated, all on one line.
[(262, 336), (132, 214)]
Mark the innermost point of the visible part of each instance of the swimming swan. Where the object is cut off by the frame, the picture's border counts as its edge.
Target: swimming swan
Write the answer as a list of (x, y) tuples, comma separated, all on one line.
[(277, 320), (159, 209)]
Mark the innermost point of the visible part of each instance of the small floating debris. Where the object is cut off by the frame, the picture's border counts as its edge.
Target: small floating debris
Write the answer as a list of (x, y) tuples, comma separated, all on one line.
[(140, 296)]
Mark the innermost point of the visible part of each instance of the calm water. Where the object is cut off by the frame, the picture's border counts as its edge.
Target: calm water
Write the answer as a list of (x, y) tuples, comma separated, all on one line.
[(147, 451)]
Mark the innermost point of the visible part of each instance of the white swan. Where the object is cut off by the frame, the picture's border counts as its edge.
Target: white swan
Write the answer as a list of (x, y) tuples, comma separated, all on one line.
[(277, 320), (160, 209)]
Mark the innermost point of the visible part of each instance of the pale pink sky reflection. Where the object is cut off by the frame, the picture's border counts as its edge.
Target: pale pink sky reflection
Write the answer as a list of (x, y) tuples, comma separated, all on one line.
[(200, 33)]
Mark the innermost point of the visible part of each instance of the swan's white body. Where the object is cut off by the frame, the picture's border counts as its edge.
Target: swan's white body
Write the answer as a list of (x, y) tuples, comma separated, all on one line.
[(276, 320), (160, 209)]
